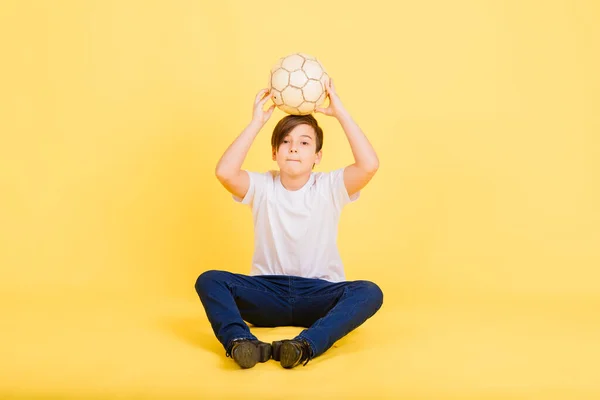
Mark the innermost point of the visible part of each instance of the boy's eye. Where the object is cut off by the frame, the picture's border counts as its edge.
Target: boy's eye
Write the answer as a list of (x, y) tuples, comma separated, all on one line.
[(305, 143)]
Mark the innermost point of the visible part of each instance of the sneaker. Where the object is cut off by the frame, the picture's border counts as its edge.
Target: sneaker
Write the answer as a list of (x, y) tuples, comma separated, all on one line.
[(291, 353), (246, 352)]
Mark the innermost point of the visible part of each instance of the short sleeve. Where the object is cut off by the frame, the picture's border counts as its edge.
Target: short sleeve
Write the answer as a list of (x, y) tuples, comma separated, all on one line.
[(258, 182), (339, 191)]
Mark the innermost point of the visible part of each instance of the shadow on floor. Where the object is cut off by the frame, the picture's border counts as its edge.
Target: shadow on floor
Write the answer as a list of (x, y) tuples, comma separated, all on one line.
[(195, 331), (192, 331)]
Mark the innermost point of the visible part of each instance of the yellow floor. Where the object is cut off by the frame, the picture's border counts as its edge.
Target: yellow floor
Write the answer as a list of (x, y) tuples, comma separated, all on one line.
[(471, 347), (483, 114)]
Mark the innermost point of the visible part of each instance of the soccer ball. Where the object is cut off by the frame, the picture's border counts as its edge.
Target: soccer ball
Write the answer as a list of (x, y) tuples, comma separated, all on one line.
[(298, 83)]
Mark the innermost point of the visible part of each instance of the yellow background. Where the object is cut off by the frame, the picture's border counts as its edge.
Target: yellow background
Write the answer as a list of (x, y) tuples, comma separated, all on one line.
[(482, 226)]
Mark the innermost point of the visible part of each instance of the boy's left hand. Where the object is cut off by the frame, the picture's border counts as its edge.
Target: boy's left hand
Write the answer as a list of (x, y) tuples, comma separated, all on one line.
[(335, 107)]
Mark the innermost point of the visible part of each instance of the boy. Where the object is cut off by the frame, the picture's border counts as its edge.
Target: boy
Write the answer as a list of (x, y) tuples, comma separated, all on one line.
[(297, 277)]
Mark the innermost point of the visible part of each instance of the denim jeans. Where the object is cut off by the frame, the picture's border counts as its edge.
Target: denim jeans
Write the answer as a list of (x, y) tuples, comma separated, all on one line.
[(328, 310)]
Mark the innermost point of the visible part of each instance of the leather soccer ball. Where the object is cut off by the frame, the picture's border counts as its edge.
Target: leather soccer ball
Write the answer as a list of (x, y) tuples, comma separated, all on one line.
[(298, 83)]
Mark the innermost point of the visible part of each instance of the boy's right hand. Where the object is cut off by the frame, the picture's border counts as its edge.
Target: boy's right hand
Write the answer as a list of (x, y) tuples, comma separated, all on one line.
[(259, 115)]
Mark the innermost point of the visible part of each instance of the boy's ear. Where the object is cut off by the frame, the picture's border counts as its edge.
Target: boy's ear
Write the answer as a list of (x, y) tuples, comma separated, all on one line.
[(319, 157)]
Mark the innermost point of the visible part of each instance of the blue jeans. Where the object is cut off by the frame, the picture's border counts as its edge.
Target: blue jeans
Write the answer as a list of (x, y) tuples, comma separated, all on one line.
[(328, 310)]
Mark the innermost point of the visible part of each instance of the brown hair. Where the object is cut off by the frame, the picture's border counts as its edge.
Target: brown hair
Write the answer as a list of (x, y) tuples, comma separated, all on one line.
[(289, 122)]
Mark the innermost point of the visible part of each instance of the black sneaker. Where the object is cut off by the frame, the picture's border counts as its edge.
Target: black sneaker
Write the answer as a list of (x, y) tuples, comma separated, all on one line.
[(247, 353), (291, 352)]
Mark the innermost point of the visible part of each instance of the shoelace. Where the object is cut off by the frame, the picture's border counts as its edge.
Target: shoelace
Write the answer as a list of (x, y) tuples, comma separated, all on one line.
[(306, 351)]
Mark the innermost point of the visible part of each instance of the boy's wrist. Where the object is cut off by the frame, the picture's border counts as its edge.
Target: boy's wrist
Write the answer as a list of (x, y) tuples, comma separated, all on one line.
[(342, 114), (256, 124)]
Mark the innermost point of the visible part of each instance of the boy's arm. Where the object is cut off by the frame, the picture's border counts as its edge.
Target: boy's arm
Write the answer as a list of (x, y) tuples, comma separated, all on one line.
[(366, 163), (229, 168)]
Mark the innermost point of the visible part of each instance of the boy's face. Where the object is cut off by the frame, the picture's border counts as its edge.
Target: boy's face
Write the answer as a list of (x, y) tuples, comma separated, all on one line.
[(296, 154)]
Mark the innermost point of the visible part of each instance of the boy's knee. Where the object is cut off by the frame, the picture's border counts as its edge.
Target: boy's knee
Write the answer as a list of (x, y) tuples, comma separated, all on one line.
[(206, 279), (372, 293)]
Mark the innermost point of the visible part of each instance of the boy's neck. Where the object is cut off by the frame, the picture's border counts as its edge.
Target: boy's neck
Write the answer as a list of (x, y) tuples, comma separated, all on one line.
[(293, 183)]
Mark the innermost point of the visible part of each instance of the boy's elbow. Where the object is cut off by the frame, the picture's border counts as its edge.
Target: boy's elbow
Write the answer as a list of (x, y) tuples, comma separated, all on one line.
[(375, 166), (371, 167), (225, 175), (218, 172), (221, 174)]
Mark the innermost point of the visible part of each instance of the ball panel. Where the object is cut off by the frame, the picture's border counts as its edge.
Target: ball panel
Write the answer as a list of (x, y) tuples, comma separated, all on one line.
[(324, 81), (321, 99), (292, 62), (307, 107), (298, 78), (292, 96), (312, 90), (277, 99), (280, 79), (289, 110), (313, 69)]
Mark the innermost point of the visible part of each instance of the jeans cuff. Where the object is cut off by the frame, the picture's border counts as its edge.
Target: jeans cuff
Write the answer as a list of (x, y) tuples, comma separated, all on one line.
[(313, 349), (230, 344)]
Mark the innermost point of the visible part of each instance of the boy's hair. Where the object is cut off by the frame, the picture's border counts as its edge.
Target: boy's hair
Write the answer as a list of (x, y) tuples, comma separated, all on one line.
[(289, 122)]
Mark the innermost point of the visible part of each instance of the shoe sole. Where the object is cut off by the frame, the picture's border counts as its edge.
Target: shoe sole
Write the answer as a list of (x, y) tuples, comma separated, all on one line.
[(248, 354), (288, 355)]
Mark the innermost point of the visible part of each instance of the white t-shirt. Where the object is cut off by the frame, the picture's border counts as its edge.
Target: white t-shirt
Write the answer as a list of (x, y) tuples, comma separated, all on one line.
[(295, 232)]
